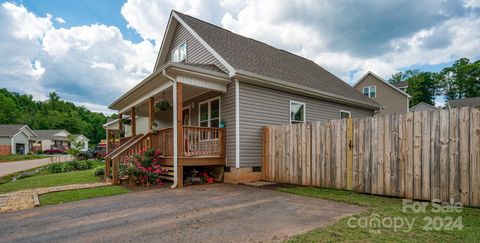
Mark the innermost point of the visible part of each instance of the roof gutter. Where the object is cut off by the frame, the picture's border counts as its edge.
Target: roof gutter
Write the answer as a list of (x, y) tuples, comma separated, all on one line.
[(260, 79), (175, 130)]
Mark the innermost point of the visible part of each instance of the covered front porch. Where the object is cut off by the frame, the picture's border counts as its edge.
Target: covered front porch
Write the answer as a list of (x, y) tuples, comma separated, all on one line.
[(176, 110)]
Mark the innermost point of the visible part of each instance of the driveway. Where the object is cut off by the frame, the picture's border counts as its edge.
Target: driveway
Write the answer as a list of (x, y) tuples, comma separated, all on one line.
[(7, 168), (211, 213)]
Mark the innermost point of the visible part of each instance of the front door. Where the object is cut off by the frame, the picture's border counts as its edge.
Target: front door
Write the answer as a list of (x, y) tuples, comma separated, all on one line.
[(186, 116)]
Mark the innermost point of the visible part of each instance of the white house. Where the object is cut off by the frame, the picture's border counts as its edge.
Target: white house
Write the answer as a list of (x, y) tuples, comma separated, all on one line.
[(57, 139)]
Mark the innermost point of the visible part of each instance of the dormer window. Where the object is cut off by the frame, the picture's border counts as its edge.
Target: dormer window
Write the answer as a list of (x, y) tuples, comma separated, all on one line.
[(180, 54)]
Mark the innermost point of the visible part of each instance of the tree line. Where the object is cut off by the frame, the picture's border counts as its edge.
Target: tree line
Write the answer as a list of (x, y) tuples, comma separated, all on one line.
[(53, 113), (461, 80)]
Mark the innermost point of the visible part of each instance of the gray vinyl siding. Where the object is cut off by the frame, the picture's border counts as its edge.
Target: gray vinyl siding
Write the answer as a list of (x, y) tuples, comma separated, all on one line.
[(5, 141), (227, 114), (261, 106), (196, 52)]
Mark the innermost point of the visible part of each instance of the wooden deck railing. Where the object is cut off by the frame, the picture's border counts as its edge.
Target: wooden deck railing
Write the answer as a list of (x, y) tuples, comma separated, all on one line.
[(203, 141), (198, 142)]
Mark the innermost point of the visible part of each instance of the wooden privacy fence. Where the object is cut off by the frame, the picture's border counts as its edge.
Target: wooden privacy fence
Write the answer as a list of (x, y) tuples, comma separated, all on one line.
[(419, 155)]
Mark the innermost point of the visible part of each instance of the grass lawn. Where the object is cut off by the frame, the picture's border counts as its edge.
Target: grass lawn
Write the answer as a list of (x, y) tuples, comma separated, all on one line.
[(75, 195), (59, 179), (10, 158), (386, 207)]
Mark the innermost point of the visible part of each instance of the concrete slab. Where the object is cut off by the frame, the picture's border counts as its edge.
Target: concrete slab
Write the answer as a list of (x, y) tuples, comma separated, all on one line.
[(211, 213)]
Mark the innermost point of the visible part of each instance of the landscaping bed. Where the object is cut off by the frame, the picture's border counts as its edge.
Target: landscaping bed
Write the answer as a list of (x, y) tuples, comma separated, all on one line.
[(446, 225)]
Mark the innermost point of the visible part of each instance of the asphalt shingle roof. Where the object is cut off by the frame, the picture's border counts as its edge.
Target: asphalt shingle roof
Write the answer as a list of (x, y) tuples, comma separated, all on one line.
[(49, 134), (400, 84), (10, 130), (256, 57), (474, 101)]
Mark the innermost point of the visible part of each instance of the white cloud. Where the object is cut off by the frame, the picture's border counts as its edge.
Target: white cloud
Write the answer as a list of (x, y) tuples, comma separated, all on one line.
[(472, 3), (89, 65), (149, 17), (353, 38), (60, 20)]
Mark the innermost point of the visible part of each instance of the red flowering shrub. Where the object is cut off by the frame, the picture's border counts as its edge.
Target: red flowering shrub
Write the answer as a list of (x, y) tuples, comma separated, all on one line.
[(142, 168)]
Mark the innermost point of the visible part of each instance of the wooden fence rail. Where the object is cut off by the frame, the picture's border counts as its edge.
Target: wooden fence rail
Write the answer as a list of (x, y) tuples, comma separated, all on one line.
[(418, 155)]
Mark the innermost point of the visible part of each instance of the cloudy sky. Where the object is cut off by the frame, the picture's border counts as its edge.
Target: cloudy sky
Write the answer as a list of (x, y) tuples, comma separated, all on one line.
[(92, 51)]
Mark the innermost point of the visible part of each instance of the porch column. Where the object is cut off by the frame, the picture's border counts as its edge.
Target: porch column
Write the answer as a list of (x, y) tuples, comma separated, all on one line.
[(151, 113), (180, 139), (120, 123), (133, 121)]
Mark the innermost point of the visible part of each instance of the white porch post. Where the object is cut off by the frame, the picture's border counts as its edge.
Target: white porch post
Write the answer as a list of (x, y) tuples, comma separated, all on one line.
[(175, 130)]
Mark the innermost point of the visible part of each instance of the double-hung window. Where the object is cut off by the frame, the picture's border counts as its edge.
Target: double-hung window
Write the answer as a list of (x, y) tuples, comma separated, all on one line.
[(370, 91), (297, 112), (180, 54), (209, 113)]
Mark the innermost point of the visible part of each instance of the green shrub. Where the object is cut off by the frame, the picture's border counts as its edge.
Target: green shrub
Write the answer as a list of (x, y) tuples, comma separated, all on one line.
[(60, 167), (70, 166), (99, 171)]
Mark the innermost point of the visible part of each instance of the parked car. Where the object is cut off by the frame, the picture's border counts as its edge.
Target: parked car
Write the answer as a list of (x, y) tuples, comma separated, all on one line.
[(99, 152), (54, 151)]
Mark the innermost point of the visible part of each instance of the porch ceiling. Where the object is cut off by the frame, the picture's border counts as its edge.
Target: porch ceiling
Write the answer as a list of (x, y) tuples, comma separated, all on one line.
[(189, 92)]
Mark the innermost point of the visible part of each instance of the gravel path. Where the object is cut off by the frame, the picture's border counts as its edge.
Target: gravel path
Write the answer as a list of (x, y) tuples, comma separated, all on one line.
[(24, 199)]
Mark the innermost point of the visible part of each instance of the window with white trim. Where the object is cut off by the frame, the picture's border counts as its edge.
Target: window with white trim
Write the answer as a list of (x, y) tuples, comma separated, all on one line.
[(209, 113), (297, 112), (345, 114), (370, 91), (180, 54)]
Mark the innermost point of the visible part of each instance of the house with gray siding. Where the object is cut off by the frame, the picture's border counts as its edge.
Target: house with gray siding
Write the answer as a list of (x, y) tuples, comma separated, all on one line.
[(15, 139), (212, 91)]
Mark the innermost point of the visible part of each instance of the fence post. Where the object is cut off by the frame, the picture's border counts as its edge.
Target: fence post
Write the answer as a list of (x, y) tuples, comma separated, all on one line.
[(266, 144), (349, 154)]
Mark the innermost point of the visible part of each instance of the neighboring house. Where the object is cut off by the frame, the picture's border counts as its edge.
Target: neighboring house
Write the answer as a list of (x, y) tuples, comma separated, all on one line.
[(15, 139), (403, 85), (52, 139), (392, 99), (215, 79), (422, 106), (82, 141), (474, 102)]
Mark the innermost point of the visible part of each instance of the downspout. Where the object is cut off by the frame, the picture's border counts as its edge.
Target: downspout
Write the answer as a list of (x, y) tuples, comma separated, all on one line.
[(175, 129)]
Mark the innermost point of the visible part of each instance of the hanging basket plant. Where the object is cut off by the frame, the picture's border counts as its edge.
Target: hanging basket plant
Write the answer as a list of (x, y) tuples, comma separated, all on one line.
[(163, 105)]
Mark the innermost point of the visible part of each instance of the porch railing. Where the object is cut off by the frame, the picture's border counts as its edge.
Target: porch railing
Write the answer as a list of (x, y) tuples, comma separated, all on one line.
[(203, 141), (198, 142)]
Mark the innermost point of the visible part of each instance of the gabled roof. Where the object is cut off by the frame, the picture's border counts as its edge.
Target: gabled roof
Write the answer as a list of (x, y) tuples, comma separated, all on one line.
[(9, 130), (80, 136), (423, 104), (382, 80), (474, 101), (400, 84), (51, 134), (246, 55)]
